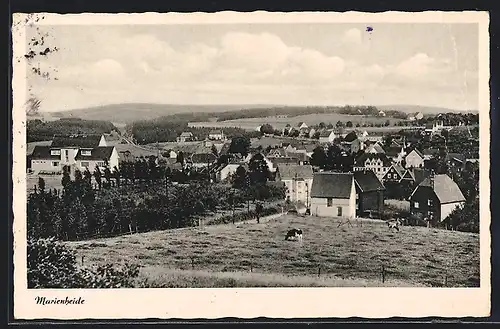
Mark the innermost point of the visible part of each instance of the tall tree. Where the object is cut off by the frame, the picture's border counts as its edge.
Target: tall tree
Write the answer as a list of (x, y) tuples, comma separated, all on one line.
[(239, 177), (318, 157), (258, 169), (333, 157), (240, 144), (98, 177)]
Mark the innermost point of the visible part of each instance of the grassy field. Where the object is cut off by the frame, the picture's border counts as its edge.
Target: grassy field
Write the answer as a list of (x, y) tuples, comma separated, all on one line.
[(251, 254), (51, 181), (310, 119)]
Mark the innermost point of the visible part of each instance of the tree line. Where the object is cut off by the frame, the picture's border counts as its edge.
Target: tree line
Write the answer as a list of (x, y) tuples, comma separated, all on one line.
[(37, 130), (165, 130)]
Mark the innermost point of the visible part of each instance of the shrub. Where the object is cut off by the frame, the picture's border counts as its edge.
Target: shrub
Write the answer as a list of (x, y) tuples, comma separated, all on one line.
[(51, 264)]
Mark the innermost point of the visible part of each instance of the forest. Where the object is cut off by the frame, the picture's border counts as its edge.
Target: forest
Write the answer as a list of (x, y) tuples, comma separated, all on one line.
[(165, 130), (37, 130)]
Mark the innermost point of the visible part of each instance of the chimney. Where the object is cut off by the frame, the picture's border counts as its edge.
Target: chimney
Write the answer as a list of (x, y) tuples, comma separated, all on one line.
[(431, 178)]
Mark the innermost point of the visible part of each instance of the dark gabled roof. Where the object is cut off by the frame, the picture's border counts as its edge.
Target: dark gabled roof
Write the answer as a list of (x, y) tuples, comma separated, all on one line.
[(399, 169), (279, 151), (310, 147), (97, 153), (367, 181), (43, 152), (325, 133), (350, 137), (456, 156), (283, 160), (332, 185), (392, 150), (203, 158), (377, 148), (408, 175), (430, 151), (31, 146), (290, 171), (300, 156), (87, 141), (360, 161), (447, 191)]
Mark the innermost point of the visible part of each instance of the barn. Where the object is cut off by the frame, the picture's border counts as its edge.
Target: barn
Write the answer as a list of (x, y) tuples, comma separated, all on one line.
[(369, 194)]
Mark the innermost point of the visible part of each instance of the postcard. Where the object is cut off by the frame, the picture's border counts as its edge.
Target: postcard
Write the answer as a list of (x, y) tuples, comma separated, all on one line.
[(229, 164)]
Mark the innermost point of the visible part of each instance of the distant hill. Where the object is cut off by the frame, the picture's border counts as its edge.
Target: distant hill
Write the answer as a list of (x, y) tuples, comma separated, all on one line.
[(419, 108), (127, 113)]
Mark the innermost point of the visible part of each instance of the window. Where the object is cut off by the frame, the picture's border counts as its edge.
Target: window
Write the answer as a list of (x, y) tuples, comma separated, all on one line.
[(389, 175), (429, 203), (100, 163), (55, 152), (55, 163), (339, 211), (85, 164), (416, 204), (329, 202), (357, 196), (86, 152)]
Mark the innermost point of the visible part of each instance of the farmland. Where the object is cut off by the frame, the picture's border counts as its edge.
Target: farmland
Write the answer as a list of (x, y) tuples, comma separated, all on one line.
[(281, 122), (250, 254)]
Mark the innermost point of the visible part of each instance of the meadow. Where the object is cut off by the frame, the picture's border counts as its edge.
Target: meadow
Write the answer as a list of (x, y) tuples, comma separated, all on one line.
[(310, 119), (248, 254)]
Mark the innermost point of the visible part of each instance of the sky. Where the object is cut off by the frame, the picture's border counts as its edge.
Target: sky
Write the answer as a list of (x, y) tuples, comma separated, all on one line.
[(281, 64)]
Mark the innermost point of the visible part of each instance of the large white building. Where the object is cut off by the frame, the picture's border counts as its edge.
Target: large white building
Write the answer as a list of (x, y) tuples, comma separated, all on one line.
[(298, 181), (76, 151)]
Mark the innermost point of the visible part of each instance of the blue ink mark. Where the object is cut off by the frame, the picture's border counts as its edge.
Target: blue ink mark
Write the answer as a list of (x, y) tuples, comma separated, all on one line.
[(369, 29)]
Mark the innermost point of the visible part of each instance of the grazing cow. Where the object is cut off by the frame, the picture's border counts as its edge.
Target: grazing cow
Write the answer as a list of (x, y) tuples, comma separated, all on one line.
[(394, 225), (294, 234)]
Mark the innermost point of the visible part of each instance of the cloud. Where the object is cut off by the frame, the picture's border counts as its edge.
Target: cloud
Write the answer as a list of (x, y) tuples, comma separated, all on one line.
[(251, 67), (352, 36)]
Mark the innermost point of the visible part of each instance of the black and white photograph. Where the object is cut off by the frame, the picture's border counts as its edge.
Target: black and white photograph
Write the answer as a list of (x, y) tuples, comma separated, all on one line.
[(184, 151)]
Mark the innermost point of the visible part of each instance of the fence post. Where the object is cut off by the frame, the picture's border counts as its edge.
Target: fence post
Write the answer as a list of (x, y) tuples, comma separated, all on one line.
[(192, 263), (445, 278), (383, 273), (319, 271)]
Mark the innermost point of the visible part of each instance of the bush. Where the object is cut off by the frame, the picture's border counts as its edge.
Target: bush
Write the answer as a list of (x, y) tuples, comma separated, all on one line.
[(243, 216), (51, 264)]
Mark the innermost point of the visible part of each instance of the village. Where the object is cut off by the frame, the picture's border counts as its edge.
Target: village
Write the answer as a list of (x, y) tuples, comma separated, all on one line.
[(325, 171)]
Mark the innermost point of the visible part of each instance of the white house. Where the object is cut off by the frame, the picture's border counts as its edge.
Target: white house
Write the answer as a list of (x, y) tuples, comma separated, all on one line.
[(63, 151), (333, 195), (97, 157), (216, 135), (434, 127), (415, 116), (327, 136), (227, 171), (414, 159), (298, 181), (301, 125), (379, 163), (186, 136)]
